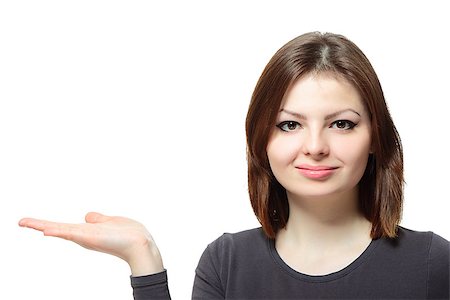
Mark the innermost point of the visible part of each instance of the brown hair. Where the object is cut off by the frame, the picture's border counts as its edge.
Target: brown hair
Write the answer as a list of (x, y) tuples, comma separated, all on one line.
[(381, 186)]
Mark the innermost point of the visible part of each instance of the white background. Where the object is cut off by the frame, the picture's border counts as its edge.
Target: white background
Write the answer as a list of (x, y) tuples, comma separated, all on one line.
[(135, 108)]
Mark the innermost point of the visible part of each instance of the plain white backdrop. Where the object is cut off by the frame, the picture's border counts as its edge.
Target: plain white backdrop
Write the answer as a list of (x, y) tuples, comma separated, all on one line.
[(137, 108)]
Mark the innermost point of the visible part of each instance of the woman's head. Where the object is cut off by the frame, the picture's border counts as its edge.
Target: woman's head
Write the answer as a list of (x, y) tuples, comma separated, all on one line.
[(316, 55)]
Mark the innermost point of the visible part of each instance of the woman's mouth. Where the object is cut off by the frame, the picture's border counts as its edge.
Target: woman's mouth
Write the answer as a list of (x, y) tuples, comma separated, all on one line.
[(316, 172)]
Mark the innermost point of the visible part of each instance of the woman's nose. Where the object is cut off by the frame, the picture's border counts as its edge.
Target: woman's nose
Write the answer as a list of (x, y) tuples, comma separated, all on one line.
[(315, 144)]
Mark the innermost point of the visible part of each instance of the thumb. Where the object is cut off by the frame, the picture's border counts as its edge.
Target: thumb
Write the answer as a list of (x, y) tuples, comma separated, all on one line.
[(95, 217)]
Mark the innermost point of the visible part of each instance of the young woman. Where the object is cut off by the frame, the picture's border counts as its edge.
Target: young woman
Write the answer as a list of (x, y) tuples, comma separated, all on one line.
[(325, 176)]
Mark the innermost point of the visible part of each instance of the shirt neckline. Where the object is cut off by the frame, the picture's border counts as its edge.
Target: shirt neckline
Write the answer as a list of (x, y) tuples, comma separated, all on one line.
[(322, 278)]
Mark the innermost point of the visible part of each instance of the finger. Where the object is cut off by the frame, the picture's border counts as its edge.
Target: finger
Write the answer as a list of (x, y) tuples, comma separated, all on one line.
[(64, 231), (95, 217), (36, 224), (81, 234), (61, 230)]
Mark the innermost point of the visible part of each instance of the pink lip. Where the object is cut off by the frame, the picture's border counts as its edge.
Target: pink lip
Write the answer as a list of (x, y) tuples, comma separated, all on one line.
[(316, 172)]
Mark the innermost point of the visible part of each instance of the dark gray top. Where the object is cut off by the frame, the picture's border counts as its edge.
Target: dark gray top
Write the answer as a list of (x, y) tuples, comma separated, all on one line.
[(246, 265)]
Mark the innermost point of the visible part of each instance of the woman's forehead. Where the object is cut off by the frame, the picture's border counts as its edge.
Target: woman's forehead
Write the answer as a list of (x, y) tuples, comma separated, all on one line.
[(321, 92)]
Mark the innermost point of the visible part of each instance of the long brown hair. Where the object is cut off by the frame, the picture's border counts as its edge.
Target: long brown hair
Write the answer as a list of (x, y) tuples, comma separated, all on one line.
[(381, 186)]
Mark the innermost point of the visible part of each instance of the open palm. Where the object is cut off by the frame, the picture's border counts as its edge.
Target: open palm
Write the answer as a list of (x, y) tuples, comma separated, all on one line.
[(118, 236)]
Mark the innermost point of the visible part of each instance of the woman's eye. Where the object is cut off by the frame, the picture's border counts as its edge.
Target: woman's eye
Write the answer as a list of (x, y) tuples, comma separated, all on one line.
[(343, 125), (289, 125)]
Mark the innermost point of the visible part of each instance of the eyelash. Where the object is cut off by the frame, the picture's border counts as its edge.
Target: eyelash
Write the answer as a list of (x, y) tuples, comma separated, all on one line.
[(287, 123), (349, 124)]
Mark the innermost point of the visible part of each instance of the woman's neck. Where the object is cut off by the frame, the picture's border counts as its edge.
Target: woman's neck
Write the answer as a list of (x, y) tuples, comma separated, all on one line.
[(329, 212), (320, 228)]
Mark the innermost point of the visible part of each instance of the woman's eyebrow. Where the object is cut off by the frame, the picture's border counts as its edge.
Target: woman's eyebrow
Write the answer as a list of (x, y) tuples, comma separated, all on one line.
[(297, 115), (335, 114), (327, 117)]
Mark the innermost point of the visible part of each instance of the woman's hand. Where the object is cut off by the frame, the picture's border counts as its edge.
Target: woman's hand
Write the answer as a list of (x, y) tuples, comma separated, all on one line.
[(118, 236)]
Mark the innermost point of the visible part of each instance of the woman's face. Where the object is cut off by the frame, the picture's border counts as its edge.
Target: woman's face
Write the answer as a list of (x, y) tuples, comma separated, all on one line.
[(322, 139)]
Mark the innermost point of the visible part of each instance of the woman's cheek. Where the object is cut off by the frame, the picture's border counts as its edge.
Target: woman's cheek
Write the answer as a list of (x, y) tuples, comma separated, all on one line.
[(288, 148), (353, 152), (281, 151)]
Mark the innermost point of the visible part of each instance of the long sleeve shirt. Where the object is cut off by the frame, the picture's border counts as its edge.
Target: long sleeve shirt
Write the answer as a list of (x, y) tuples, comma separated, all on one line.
[(246, 265)]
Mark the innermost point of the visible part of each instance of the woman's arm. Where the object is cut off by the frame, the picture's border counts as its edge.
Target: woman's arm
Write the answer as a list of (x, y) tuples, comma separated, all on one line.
[(118, 236), (130, 240)]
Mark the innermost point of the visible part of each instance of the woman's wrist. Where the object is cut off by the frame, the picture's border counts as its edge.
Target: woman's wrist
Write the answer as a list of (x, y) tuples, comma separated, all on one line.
[(145, 261)]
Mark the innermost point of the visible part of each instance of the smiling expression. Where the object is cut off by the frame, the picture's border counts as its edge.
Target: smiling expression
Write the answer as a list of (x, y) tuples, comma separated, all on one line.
[(322, 139)]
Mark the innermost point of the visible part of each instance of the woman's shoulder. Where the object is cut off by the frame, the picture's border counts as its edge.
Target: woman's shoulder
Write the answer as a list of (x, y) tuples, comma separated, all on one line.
[(244, 246), (409, 236), (240, 240), (422, 247), (234, 249), (428, 249)]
